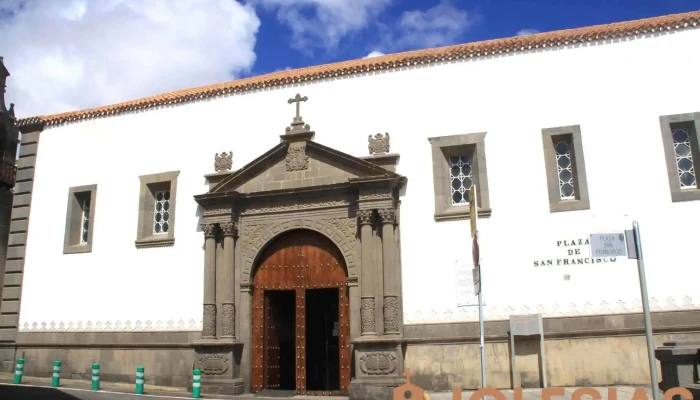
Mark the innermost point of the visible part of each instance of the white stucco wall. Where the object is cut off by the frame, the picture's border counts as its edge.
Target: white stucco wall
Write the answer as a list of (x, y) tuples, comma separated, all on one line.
[(615, 92)]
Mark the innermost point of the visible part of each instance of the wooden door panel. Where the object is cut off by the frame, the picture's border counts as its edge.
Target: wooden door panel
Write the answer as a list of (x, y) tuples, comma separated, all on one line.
[(272, 350), (299, 260)]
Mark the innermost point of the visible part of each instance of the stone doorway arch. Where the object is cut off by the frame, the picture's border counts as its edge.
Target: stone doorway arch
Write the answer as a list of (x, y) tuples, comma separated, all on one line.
[(300, 321)]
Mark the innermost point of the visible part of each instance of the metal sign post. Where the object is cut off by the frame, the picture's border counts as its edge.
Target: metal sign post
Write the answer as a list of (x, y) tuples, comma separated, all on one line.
[(605, 245), (476, 274), (633, 235)]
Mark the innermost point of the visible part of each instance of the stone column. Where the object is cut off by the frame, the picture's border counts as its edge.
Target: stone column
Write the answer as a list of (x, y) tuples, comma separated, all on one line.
[(367, 281), (209, 318), (387, 217), (228, 307)]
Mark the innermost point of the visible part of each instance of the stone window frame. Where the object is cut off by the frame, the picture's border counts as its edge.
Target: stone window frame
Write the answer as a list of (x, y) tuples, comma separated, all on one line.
[(150, 184), (74, 219), (572, 134), (690, 119), (442, 148)]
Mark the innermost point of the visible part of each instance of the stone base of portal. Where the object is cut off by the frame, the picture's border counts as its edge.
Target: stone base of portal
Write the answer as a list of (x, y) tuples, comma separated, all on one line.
[(219, 362), (378, 367)]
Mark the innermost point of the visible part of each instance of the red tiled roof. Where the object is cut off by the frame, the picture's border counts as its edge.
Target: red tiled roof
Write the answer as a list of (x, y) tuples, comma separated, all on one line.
[(387, 62)]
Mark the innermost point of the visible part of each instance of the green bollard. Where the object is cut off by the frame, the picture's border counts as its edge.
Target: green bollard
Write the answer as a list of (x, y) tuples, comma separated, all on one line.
[(18, 372), (96, 376), (196, 384), (139, 380), (56, 379)]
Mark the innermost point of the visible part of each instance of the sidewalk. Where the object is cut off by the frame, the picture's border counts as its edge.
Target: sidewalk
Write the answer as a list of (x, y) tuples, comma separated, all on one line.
[(623, 392)]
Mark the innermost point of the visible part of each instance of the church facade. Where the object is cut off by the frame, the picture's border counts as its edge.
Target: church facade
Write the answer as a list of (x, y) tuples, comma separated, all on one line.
[(308, 230)]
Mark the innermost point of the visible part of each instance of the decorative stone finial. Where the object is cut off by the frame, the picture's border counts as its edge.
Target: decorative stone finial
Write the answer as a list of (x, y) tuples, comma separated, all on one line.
[(379, 144), (223, 162), (298, 125)]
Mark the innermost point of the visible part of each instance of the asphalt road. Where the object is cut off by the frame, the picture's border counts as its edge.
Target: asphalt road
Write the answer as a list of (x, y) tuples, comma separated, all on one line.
[(19, 392)]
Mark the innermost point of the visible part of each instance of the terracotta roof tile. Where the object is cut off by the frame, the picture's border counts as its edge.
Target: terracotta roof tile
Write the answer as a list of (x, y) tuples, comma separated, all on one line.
[(386, 62)]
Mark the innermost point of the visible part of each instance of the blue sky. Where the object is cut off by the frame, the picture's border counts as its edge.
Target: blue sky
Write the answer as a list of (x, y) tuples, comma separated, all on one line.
[(75, 54), (489, 19)]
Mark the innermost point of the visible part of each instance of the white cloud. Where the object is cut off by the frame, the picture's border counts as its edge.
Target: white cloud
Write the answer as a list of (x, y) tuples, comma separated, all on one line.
[(374, 53), (321, 24), (440, 25), (73, 54), (528, 31)]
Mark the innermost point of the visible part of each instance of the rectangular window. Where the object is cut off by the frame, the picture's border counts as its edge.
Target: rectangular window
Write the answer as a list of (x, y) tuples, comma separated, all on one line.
[(680, 140), (85, 226), (683, 150), (157, 201), (460, 179), (459, 162), (565, 169), (162, 213), (80, 219)]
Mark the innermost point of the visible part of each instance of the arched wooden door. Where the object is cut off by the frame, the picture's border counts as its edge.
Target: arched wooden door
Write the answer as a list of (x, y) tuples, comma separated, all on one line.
[(301, 317)]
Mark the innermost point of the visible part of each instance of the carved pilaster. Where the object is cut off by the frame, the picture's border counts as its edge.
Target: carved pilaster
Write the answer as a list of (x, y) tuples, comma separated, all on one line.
[(209, 317), (367, 287), (391, 314), (227, 297), (367, 315), (209, 321), (228, 314), (391, 275)]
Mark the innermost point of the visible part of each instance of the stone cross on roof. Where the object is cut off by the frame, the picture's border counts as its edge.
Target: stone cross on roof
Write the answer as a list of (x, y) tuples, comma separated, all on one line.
[(298, 127), (297, 99)]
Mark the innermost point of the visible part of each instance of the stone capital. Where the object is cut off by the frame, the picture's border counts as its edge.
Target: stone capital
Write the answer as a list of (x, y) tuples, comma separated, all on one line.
[(365, 217), (229, 228), (208, 230), (387, 215)]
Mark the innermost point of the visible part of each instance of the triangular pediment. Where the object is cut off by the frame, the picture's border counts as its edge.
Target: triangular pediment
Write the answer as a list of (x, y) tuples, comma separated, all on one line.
[(314, 165)]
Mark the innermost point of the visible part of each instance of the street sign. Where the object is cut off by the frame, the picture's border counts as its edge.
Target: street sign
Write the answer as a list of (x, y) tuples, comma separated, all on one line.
[(476, 278), (473, 208), (604, 245)]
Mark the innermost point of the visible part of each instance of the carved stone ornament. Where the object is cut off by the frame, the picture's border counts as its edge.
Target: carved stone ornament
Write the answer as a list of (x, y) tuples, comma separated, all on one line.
[(391, 314), (208, 230), (297, 204), (297, 160), (228, 228), (367, 314), (209, 321), (378, 363), (379, 144), (375, 194), (223, 162), (214, 364), (387, 215), (365, 217), (250, 233), (346, 225), (218, 211), (228, 315)]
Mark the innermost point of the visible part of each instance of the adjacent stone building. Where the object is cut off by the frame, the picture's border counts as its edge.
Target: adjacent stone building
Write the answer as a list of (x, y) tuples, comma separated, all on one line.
[(327, 248)]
